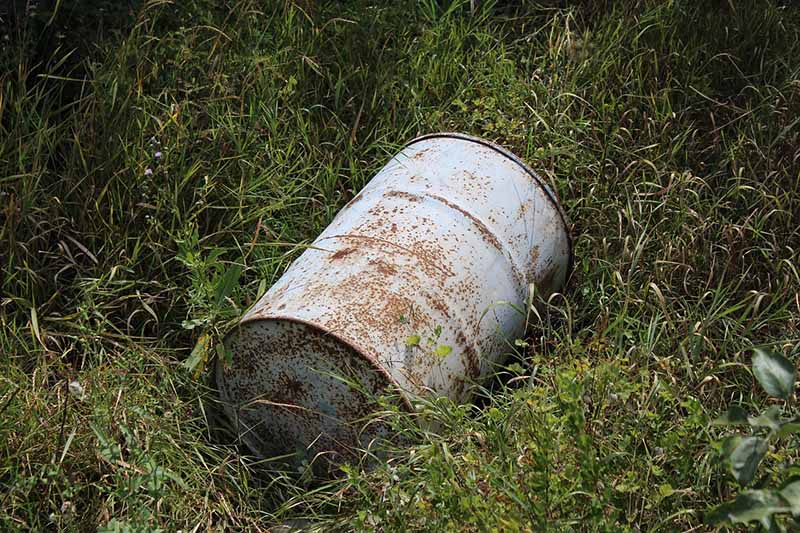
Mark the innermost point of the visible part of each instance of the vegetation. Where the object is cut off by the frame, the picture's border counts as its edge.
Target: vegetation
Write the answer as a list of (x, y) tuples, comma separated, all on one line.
[(776, 374), (162, 162)]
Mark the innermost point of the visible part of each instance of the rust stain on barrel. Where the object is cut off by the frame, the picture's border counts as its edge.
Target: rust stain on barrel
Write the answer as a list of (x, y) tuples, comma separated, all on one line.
[(383, 267), (534, 255), (534, 262), (485, 232), (420, 154), (344, 252), (417, 251), (290, 389), (403, 194), (471, 359), (523, 209), (439, 305)]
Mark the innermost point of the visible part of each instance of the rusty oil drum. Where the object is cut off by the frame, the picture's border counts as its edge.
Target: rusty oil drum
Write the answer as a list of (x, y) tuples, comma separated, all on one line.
[(412, 287)]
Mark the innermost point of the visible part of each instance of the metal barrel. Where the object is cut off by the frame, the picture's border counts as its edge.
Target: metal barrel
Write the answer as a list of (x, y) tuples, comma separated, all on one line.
[(416, 285)]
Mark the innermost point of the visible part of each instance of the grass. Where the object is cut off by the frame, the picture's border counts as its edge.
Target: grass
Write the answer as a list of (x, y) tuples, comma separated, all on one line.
[(670, 130)]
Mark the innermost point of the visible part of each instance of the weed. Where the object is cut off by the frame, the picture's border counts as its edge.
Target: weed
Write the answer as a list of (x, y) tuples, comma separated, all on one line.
[(743, 455), (669, 130)]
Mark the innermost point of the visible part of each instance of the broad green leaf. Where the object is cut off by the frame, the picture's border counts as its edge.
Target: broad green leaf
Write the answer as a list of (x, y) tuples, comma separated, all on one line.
[(443, 350), (789, 427), (746, 458), (412, 340), (224, 354), (768, 419), (196, 361), (516, 369), (729, 444), (115, 526), (734, 416), (226, 283), (108, 448), (193, 323), (749, 506), (262, 288), (774, 372), (791, 493)]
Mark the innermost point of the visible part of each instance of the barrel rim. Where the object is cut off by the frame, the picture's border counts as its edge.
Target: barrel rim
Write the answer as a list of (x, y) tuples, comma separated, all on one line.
[(550, 193), (355, 348)]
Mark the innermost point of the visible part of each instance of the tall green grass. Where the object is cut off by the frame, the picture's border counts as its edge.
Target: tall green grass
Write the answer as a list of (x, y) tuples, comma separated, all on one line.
[(670, 130)]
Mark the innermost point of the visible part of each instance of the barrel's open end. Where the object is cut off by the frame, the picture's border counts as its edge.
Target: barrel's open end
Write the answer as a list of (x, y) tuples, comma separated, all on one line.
[(293, 389)]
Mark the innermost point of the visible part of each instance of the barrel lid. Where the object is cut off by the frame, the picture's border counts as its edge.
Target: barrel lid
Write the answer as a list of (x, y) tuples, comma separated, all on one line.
[(298, 392)]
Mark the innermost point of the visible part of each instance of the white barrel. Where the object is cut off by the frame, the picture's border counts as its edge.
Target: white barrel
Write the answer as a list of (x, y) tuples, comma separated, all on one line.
[(413, 286)]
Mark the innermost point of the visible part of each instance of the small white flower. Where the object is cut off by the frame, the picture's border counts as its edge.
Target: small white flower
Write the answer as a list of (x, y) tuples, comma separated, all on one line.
[(76, 389), (148, 172), (158, 155)]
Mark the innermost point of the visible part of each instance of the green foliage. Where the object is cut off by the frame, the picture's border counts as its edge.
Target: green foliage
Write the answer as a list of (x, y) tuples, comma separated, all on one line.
[(413, 340), (526, 461), (776, 375), (751, 506), (431, 344), (669, 130)]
